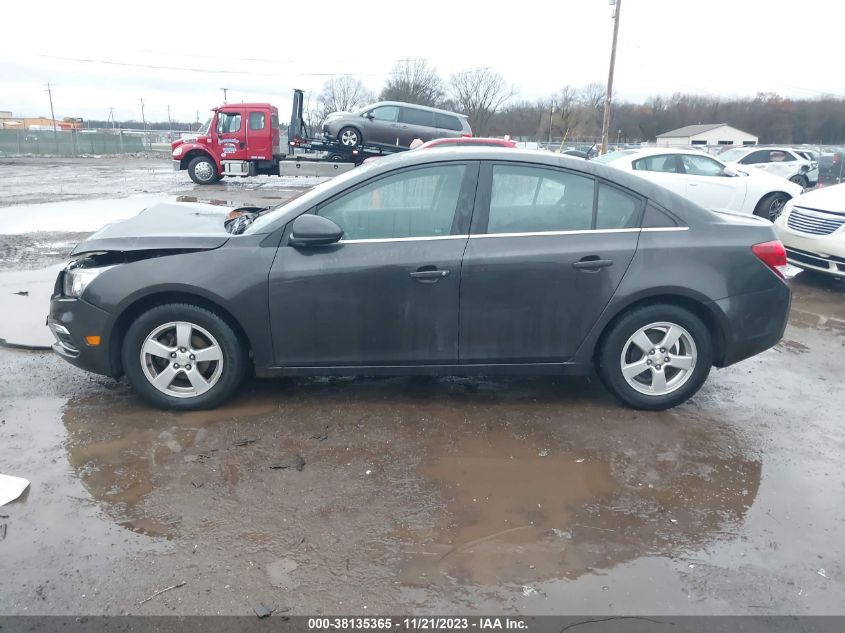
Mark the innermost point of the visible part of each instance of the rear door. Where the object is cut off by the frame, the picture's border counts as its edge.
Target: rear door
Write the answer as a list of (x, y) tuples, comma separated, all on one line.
[(415, 123), (388, 293), (547, 250), (231, 134), (708, 185), (663, 169), (259, 135)]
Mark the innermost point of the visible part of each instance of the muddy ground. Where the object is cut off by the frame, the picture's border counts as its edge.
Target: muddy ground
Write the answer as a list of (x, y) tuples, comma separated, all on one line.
[(527, 496)]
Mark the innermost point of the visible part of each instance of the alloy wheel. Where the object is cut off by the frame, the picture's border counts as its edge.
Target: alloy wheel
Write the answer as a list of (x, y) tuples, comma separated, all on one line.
[(658, 358), (181, 359)]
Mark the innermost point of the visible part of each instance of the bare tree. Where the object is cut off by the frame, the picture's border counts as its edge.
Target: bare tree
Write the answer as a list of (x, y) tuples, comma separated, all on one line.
[(591, 98), (479, 94), (414, 81), (342, 94)]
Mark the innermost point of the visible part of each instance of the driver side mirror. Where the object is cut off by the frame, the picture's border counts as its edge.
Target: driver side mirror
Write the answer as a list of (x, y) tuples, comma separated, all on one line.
[(314, 230), (370, 115), (730, 173)]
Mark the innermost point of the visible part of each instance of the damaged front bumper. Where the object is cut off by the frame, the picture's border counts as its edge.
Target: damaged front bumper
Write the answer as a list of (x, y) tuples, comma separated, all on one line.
[(71, 321)]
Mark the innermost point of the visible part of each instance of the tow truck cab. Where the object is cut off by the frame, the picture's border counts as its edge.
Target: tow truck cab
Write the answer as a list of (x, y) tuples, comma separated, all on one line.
[(242, 139)]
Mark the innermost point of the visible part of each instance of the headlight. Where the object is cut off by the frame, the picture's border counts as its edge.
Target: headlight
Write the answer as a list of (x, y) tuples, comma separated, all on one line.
[(178, 151), (76, 280)]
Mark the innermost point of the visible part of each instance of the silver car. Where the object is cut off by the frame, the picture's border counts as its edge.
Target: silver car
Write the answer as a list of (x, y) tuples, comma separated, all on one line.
[(394, 123)]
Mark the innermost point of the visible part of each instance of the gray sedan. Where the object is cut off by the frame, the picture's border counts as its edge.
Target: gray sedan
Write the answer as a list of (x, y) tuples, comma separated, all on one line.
[(449, 261)]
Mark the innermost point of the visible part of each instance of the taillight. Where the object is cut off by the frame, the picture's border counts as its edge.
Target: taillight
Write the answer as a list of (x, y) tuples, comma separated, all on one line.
[(773, 254)]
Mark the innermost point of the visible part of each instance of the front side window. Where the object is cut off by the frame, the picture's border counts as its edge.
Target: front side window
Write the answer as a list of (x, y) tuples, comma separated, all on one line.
[(385, 113), (701, 166), (537, 199), (228, 122), (413, 203), (256, 120), (663, 163)]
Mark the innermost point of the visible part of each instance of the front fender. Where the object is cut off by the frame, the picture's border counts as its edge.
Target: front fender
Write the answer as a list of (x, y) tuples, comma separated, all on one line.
[(190, 150)]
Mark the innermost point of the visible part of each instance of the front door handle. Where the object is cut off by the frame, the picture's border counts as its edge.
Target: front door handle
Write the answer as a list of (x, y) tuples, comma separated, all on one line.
[(592, 263), (427, 274)]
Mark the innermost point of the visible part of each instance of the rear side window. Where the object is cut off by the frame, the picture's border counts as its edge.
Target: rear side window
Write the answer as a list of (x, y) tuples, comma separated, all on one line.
[(535, 199), (657, 218), (257, 120), (616, 209), (666, 164), (447, 122), (412, 116), (413, 203), (274, 121)]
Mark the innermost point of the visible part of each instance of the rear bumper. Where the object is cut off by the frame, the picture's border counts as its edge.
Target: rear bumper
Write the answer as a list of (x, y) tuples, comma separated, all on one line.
[(753, 322), (71, 320)]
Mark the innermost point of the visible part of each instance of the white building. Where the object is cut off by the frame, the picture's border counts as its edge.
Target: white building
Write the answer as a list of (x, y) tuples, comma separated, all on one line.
[(706, 134)]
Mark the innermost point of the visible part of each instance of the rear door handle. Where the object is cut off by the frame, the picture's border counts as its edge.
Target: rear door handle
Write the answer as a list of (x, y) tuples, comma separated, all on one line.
[(429, 275), (592, 263)]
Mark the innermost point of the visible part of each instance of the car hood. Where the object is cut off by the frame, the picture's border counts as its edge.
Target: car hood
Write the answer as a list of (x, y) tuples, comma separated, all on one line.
[(166, 226), (825, 199)]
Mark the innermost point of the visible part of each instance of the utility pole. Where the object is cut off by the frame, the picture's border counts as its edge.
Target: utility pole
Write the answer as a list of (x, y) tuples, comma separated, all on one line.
[(605, 127), (53, 117), (551, 118), (169, 123), (143, 119), (225, 94)]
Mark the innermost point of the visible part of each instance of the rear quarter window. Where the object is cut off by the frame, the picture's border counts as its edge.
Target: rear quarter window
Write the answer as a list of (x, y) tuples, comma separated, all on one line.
[(447, 122)]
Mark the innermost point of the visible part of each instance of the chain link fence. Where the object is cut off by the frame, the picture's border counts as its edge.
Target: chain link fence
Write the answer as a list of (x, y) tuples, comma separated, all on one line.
[(47, 142)]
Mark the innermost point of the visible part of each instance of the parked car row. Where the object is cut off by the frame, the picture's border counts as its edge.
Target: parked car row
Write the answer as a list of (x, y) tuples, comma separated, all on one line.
[(798, 166)]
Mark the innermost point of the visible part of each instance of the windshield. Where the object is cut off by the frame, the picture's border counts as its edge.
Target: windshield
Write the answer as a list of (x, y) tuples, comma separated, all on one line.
[(732, 155), (613, 156), (261, 224), (204, 129)]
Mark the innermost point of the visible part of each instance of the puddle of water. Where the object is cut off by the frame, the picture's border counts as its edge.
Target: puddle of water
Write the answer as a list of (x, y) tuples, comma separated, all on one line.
[(510, 504)]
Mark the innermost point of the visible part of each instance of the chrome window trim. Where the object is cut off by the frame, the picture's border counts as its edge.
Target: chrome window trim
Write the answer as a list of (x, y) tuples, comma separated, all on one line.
[(379, 240)]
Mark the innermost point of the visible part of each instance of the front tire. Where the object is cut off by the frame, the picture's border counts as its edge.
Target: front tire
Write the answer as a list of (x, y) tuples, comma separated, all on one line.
[(632, 360), (183, 357), (203, 171), (771, 206), (350, 137)]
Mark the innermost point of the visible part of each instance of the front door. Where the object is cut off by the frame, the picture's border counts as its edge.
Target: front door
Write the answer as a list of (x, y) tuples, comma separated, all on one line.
[(383, 127), (231, 135), (708, 185), (388, 293), (548, 248)]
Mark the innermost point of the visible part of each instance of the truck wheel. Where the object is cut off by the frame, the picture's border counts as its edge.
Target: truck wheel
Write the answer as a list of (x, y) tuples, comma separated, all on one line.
[(799, 180), (655, 357), (203, 171), (350, 137), (180, 356)]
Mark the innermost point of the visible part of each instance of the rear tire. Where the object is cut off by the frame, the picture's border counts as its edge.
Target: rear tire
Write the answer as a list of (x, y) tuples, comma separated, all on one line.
[(203, 171), (800, 180), (183, 357), (633, 343), (771, 206)]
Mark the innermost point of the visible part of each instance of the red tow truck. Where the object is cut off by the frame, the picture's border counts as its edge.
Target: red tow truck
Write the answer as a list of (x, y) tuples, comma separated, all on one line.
[(244, 139)]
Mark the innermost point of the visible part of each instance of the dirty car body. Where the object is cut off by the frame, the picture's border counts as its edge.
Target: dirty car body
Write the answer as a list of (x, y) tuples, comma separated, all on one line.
[(452, 261)]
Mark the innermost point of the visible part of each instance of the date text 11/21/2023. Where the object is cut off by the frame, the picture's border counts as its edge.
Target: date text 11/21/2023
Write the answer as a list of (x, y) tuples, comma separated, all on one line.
[(420, 623)]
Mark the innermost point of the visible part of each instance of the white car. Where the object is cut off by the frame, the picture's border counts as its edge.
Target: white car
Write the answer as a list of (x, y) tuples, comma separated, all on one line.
[(706, 180), (812, 228), (778, 161)]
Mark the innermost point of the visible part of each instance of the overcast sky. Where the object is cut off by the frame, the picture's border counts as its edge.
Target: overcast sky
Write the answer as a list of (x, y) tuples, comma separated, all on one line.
[(101, 55)]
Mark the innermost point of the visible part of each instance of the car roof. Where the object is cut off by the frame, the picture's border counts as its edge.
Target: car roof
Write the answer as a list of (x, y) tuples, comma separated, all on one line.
[(413, 105), (659, 151)]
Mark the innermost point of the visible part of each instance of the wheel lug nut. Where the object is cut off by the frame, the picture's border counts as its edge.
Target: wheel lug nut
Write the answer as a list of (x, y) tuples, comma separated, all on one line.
[(662, 350), (666, 360), (182, 349), (193, 357), (172, 354), (188, 367), (176, 365), (648, 362), (657, 366), (651, 352)]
